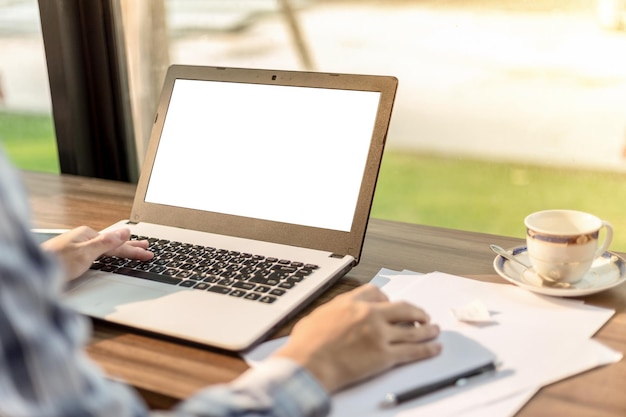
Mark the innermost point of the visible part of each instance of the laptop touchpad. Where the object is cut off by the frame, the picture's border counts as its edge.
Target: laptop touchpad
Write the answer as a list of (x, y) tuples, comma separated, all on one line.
[(101, 294)]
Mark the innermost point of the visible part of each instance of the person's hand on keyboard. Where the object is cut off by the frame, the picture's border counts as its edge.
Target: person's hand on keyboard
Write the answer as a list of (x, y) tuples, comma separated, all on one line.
[(360, 334), (78, 248)]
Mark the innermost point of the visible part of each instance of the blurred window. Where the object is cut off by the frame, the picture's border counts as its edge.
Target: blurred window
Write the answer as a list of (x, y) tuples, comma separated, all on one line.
[(504, 107), (26, 126)]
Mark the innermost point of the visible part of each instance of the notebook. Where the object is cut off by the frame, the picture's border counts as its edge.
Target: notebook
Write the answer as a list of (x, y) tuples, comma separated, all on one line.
[(268, 178)]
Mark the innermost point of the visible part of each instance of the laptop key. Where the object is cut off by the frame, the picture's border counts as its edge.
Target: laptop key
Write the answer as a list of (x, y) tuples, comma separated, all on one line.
[(219, 289), (267, 299), (244, 285), (159, 261), (211, 279), (119, 261), (175, 264), (277, 276), (262, 289), (266, 281), (181, 257), (277, 291), (303, 273), (201, 286), (109, 268), (186, 266), (144, 266), (158, 269), (226, 282), (183, 274), (284, 269), (228, 274), (137, 273), (252, 296)]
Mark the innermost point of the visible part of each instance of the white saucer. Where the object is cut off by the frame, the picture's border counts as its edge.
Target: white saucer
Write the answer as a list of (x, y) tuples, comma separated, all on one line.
[(606, 272)]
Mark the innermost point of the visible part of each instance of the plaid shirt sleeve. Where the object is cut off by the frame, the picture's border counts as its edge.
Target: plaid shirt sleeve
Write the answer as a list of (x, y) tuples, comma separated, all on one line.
[(45, 372)]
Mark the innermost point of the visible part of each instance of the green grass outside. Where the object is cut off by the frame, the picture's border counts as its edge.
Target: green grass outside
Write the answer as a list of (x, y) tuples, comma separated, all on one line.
[(475, 195), (492, 197), (29, 141)]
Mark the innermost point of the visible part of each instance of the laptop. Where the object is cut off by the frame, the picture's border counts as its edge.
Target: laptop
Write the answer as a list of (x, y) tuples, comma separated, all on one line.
[(255, 194)]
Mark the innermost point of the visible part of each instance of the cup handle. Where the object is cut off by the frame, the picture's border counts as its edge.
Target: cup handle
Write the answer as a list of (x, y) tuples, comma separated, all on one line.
[(607, 238)]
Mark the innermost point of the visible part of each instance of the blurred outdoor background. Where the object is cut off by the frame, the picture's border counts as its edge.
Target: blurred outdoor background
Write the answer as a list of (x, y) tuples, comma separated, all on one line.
[(504, 107)]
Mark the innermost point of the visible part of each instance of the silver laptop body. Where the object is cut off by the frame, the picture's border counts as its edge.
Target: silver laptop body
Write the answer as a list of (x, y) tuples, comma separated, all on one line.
[(258, 165)]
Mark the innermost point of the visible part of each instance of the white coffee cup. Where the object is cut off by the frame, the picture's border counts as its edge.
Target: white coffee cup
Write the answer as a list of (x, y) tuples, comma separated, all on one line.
[(562, 244)]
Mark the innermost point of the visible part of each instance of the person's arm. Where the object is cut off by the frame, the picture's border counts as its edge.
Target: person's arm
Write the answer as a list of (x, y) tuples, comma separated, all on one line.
[(353, 337), (358, 335), (277, 387), (44, 370)]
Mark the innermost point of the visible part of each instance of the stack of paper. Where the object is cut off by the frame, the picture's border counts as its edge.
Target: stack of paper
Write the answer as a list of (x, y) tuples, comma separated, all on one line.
[(536, 339)]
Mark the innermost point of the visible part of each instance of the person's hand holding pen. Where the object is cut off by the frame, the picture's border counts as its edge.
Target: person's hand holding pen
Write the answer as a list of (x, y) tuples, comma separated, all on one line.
[(358, 335)]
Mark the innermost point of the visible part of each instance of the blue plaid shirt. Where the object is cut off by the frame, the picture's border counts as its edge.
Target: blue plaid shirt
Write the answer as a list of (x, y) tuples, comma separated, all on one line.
[(45, 372)]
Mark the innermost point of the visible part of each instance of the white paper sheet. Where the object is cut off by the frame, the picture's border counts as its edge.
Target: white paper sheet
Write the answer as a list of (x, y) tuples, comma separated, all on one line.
[(534, 345), (510, 306)]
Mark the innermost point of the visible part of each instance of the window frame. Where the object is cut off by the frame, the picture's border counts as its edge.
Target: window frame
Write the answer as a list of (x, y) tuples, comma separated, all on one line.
[(87, 70)]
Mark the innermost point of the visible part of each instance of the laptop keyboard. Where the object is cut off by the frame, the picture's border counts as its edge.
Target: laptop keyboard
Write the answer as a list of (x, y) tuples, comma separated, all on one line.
[(243, 275)]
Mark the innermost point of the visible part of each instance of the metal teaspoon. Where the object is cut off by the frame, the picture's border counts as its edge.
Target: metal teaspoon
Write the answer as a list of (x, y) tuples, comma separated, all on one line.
[(507, 255)]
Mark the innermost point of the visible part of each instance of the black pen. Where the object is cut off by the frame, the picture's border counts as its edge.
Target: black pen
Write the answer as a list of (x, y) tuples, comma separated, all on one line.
[(459, 380)]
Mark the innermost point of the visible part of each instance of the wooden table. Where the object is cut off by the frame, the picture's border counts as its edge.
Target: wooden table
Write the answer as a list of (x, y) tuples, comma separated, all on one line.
[(165, 371)]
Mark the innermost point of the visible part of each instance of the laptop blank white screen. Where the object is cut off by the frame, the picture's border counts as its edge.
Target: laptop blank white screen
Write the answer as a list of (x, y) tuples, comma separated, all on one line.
[(280, 153)]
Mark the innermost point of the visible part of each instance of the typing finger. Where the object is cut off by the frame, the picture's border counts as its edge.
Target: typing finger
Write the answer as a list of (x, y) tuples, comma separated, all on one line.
[(132, 251), (138, 243)]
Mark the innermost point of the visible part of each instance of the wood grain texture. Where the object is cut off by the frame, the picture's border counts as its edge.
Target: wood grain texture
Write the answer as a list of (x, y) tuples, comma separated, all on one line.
[(165, 371)]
